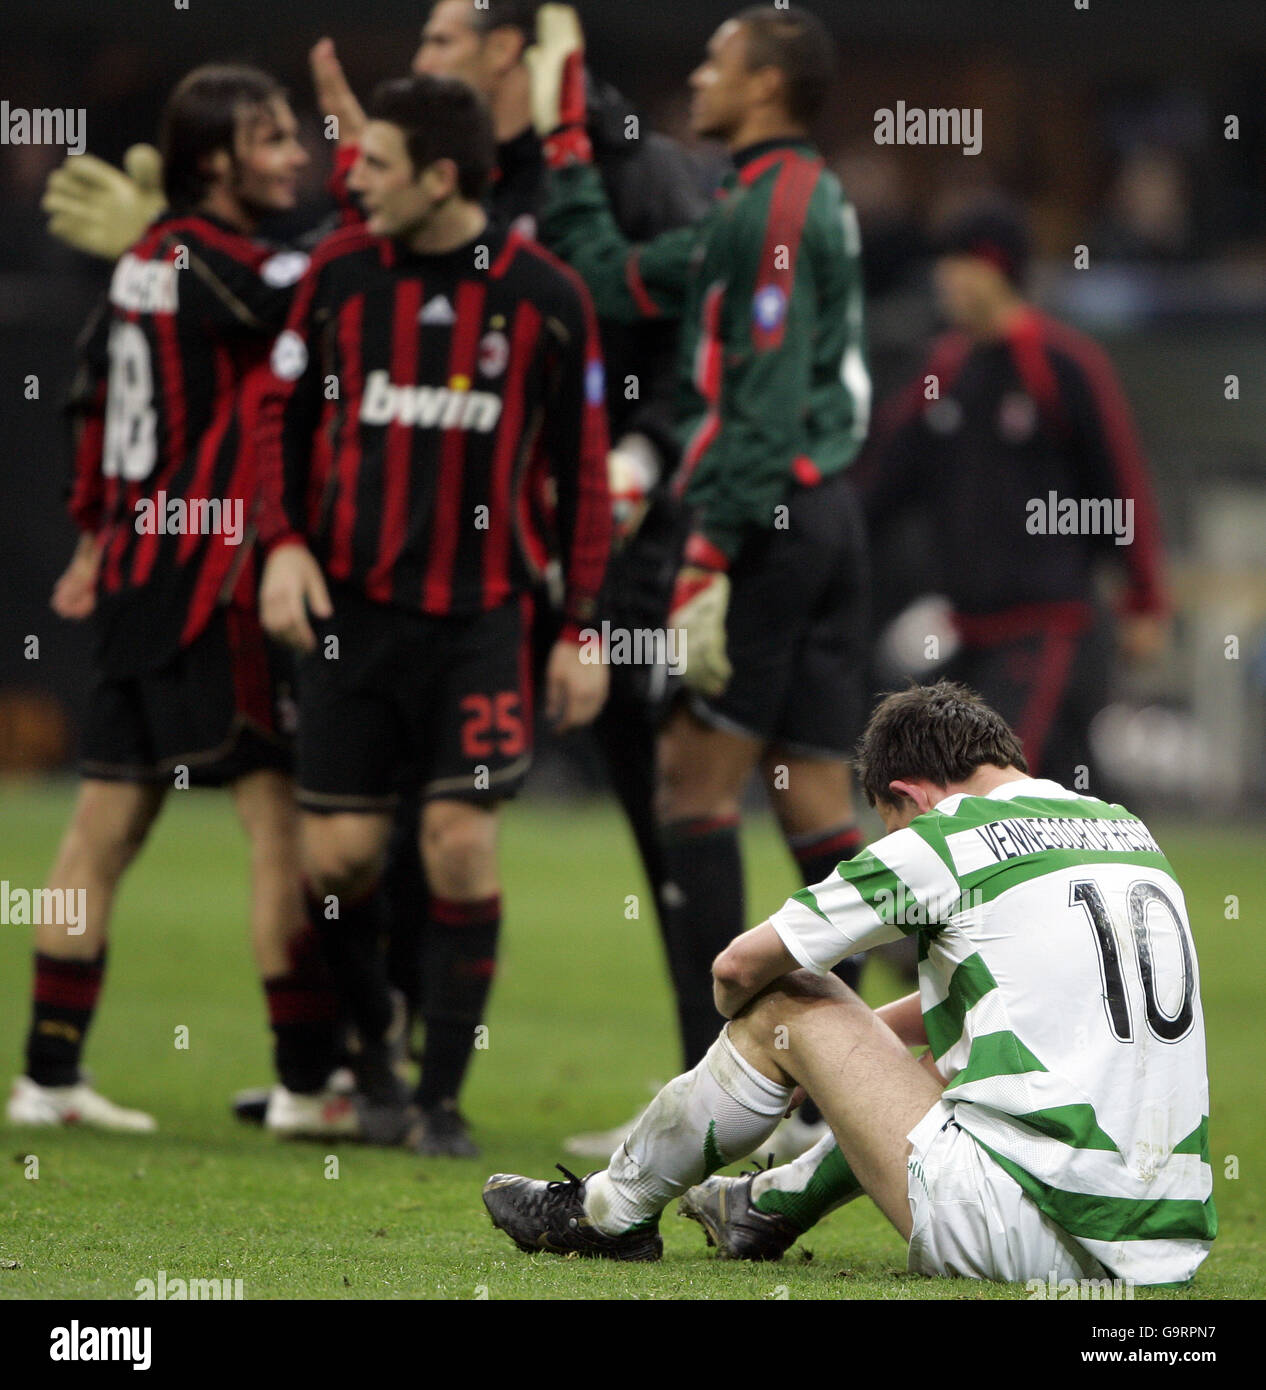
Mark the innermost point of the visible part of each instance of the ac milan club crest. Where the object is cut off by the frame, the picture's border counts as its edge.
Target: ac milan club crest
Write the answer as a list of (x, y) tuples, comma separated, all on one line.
[(494, 353)]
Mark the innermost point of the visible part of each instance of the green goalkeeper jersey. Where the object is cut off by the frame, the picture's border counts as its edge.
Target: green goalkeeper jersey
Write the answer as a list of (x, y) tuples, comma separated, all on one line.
[(1061, 999), (773, 386)]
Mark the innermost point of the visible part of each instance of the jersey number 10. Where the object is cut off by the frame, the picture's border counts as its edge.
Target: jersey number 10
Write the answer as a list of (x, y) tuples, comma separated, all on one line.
[(1141, 895)]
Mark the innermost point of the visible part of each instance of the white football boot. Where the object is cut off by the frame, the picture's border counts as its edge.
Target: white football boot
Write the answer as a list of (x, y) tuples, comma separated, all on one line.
[(327, 1114), (51, 1106)]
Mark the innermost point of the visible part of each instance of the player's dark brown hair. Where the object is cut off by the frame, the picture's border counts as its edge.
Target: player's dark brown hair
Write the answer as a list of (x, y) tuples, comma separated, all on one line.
[(800, 46), (201, 117), (941, 733), (442, 118)]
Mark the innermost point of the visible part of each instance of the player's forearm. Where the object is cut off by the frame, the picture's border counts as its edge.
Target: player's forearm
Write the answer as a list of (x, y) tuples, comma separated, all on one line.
[(84, 500), (579, 435), (283, 471), (588, 548), (577, 225), (747, 965), (905, 1017)]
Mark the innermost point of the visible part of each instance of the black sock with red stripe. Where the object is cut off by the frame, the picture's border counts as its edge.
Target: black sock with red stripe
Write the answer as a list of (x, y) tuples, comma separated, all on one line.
[(816, 855), (703, 913), (303, 1013), (459, 957), (353, 947), (65, 999)]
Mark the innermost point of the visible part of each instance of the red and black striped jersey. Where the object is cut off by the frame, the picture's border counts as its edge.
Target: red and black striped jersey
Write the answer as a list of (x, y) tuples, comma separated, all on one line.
[(434, 426), (164, 468)]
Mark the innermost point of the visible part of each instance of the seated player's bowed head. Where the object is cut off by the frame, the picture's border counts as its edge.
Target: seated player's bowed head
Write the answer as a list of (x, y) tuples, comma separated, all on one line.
[(940, 735), (428, 143)]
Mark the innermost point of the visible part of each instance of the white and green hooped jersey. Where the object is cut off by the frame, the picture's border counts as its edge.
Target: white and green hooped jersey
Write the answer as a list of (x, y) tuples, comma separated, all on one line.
[(1061, 998)]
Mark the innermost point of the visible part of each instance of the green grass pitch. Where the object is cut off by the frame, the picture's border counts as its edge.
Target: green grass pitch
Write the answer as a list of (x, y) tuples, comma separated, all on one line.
[(579, 1033)]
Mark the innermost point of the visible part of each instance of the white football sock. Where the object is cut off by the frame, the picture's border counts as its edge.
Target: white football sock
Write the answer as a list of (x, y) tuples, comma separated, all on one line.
[(699, 1122)]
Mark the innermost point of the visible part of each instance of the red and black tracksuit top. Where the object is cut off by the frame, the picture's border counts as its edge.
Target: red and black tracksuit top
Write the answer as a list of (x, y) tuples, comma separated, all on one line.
[(985, 430)]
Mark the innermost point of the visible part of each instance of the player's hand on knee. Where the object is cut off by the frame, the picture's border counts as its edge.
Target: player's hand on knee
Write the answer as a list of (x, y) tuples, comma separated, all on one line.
[(700, 601), (575, 689), (292, 588), (99, 209), (75, 593), (334, 94)]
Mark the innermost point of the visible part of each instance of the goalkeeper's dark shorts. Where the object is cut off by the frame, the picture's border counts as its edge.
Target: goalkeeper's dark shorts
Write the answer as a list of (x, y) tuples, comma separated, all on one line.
[(215, 711), (797, 629), (407, 700)]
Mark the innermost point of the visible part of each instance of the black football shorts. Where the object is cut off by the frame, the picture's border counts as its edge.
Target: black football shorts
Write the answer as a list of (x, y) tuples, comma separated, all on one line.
[(797, 629), (217, 708), (445, 700)]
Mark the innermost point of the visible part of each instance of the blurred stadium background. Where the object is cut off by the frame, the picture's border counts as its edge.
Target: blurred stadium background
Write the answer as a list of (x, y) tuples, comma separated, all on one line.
[(1106, 124)]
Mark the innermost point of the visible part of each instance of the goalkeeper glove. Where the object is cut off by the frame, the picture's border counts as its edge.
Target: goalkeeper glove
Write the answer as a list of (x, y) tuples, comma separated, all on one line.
[(700, 600), (97, 208), (556, 62), (633, 468)]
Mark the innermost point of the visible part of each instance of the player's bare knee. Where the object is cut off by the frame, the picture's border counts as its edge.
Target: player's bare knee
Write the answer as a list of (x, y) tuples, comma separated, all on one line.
[(340, 877), (102, 846), (770, 1029), (686, 787), (339, 866), (459, 848), (771, 1016)]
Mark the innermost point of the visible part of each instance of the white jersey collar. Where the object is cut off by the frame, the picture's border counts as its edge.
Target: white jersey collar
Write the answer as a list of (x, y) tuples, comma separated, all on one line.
[(1008, 791)]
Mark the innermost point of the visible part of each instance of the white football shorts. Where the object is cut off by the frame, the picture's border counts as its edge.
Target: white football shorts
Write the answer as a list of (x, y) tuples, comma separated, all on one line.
[(972, 1219)]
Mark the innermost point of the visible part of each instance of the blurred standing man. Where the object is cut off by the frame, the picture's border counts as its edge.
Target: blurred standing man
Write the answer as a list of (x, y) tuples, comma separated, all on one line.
[(651, 184), (1017, 431), (469, 376), (773, 399), (163, 495)]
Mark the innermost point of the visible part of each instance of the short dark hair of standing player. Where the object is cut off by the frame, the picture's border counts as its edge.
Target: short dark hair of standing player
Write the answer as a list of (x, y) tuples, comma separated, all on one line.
[(800, 46), (940, 733), (482, 46), (440, 118), (205, 116)]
